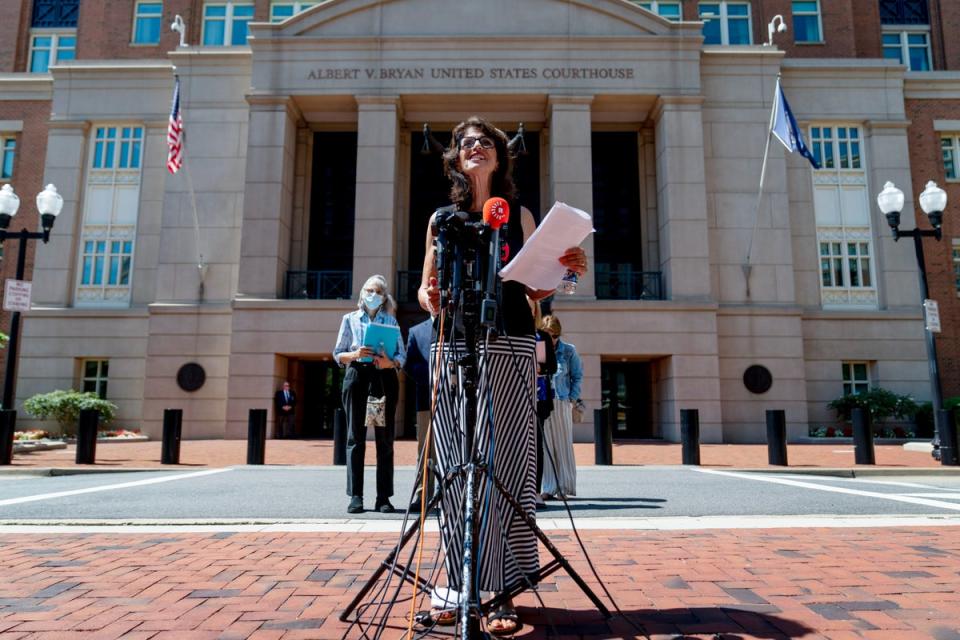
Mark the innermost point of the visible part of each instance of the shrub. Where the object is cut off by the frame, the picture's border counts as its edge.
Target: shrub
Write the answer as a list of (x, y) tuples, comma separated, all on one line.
[(881, 403), (65, 407)]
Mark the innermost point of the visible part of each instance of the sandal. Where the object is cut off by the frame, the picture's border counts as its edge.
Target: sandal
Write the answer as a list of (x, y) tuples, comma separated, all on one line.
[(509, 621), (443, 617)]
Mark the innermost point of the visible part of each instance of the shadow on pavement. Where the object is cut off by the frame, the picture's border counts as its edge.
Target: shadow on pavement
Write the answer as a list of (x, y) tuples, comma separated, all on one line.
[(727, 623)]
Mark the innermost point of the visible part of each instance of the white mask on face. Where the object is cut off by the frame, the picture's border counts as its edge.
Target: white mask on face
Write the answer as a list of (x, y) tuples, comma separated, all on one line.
[(372, 300)]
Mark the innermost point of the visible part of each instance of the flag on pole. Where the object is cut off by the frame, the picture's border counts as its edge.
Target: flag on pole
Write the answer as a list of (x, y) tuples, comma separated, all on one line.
[(786, 130), (175, 132)]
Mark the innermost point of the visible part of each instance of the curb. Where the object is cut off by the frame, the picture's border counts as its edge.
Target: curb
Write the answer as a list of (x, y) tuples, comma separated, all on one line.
[(81, 471), (857, 472)]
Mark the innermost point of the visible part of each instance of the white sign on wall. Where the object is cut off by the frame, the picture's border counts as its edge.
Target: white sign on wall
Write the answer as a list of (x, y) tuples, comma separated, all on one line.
[(16, 295), (932, 314)]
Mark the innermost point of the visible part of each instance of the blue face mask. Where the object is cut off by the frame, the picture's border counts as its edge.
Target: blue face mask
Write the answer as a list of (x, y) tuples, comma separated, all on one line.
[(372, 300)]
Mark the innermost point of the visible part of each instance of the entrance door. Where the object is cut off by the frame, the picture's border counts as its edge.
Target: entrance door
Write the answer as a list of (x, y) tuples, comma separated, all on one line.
[(627, 398), (321, 397)]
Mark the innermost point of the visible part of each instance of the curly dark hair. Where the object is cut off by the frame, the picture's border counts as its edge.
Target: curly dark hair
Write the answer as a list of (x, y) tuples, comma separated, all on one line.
[(502, 179)]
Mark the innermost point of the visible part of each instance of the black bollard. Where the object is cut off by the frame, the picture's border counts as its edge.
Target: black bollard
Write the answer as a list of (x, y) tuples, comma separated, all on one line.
[(256, 436), (862, 436), (690, 435), (339, 437), (777, 437), (8, 424), (602, 438), (172, 429), (87, 436), (949, 456)]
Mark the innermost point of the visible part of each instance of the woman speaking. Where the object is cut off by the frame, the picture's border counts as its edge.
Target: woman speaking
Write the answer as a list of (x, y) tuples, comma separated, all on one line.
[(478, 165)]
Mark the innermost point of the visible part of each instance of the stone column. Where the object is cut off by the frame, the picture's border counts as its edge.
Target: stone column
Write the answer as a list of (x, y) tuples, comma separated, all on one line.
[(268, 197), (682, 196), (374, 236), (571, 166)]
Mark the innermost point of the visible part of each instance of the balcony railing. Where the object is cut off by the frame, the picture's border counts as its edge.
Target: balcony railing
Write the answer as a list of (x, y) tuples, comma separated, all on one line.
[(621, 282), (407, 284), (318, 285)]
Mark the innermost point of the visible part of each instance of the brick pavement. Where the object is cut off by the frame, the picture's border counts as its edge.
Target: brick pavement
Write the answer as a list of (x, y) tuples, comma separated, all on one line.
[(219, 453), (774, 583)]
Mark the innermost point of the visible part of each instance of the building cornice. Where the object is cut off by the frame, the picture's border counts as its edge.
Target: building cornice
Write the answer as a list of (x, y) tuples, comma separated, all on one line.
[(482, 44), (26, 86), (664, 103), (932, 85)]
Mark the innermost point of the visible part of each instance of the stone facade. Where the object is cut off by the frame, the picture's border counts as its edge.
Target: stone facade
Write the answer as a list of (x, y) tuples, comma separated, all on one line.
[(241, 206)]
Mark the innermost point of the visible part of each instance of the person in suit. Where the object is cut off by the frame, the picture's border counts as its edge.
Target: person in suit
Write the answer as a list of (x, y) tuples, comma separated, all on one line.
[(417, 367), (285, 402)]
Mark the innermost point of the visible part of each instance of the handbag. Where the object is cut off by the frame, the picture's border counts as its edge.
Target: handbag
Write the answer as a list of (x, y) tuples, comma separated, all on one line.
[(578, 409), (376, 412)]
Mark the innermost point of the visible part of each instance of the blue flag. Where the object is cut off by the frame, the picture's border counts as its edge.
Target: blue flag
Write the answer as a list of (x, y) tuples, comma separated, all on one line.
[(786, 130)]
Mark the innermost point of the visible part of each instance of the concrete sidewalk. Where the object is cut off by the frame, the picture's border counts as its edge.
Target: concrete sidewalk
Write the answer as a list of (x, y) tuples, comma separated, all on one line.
[(772, 583), (221, 453)]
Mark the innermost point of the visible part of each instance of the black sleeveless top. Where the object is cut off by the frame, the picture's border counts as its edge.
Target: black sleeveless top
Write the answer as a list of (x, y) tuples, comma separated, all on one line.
[(516, 318)]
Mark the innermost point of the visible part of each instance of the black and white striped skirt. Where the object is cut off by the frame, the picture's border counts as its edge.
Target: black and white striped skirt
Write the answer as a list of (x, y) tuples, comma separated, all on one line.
[(507, 548)]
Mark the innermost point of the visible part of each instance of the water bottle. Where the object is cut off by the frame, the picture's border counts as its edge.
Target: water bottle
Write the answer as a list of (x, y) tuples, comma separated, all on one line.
[(568, 285)]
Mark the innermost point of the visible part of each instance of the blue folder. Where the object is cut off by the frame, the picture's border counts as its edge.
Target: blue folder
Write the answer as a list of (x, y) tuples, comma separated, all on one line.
[(381, 338)]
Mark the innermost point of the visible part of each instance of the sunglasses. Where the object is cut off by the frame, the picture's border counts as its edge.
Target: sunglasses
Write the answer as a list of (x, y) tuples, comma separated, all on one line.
[(470, 142)]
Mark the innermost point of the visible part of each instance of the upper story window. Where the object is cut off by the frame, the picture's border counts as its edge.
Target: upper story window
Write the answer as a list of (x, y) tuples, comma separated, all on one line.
[(55, 13), (726, 22), (147, 19), (664, 8), (909, 47), (8, 153), (950, 145), (225, 23), (280, 11), (806, 21), (904, 12), (842, 210), (50, 47), (111, 206)]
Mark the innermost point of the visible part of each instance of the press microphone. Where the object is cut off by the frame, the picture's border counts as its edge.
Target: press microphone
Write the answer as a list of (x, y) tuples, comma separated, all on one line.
[(496, 213)]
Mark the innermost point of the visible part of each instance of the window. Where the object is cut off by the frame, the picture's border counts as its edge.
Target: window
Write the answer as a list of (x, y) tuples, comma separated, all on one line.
[(904, 12), (951, 155), (726, 22), (911, 48), (806, 21), (111, 205), (8, 153), (842, 207), (664, 9), (147, 19), (280, 11), (55, 14), (49, 47), (856, 377), (225, 24), (95, 376), (956, 265)]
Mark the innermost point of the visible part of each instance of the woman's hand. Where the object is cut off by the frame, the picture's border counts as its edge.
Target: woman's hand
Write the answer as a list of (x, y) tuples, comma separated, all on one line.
[(575, 259), (430, 297), (383, 362), (362, 352)]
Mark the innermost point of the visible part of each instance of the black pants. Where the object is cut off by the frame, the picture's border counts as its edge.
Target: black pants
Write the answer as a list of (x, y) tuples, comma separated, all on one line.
[(539, 453), (359, 382)]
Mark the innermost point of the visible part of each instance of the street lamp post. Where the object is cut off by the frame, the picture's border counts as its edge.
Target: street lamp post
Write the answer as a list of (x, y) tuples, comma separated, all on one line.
[(49, 203), (933, 201)]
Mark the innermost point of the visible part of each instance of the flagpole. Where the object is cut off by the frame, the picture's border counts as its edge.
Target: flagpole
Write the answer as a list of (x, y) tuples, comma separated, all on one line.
[(747, 267)]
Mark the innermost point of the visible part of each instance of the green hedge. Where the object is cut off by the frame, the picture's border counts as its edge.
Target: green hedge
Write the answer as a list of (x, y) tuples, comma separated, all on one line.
[(65, 407)]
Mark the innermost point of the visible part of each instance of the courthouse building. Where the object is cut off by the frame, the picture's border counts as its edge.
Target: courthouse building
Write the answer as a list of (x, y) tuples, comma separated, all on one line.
[(307, 169)]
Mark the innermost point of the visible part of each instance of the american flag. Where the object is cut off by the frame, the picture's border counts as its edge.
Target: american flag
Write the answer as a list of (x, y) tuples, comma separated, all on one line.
[(175, 133)]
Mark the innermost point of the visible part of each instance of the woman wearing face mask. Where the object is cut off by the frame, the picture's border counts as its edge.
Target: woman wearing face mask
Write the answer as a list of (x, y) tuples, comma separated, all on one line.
[(369, 374)]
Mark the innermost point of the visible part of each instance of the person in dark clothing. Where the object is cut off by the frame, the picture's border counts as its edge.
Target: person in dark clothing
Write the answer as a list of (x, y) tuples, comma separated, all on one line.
[(417, 367), (285, 404)]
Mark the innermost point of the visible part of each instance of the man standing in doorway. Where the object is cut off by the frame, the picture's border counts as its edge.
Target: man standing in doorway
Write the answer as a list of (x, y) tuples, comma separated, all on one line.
[(286, 403)]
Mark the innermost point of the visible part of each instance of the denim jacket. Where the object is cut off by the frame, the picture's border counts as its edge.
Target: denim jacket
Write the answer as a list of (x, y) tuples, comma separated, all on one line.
[(566, 382)]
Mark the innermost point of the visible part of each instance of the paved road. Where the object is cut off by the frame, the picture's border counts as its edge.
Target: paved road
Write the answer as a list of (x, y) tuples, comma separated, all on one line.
[(283, 493)]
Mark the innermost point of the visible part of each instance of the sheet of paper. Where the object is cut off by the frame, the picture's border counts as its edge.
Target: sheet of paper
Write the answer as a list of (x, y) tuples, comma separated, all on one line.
[(537, 265)]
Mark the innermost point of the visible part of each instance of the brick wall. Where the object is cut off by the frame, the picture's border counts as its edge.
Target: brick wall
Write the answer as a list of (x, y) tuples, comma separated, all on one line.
[(945, 23), (27, 181), (926, 164)]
